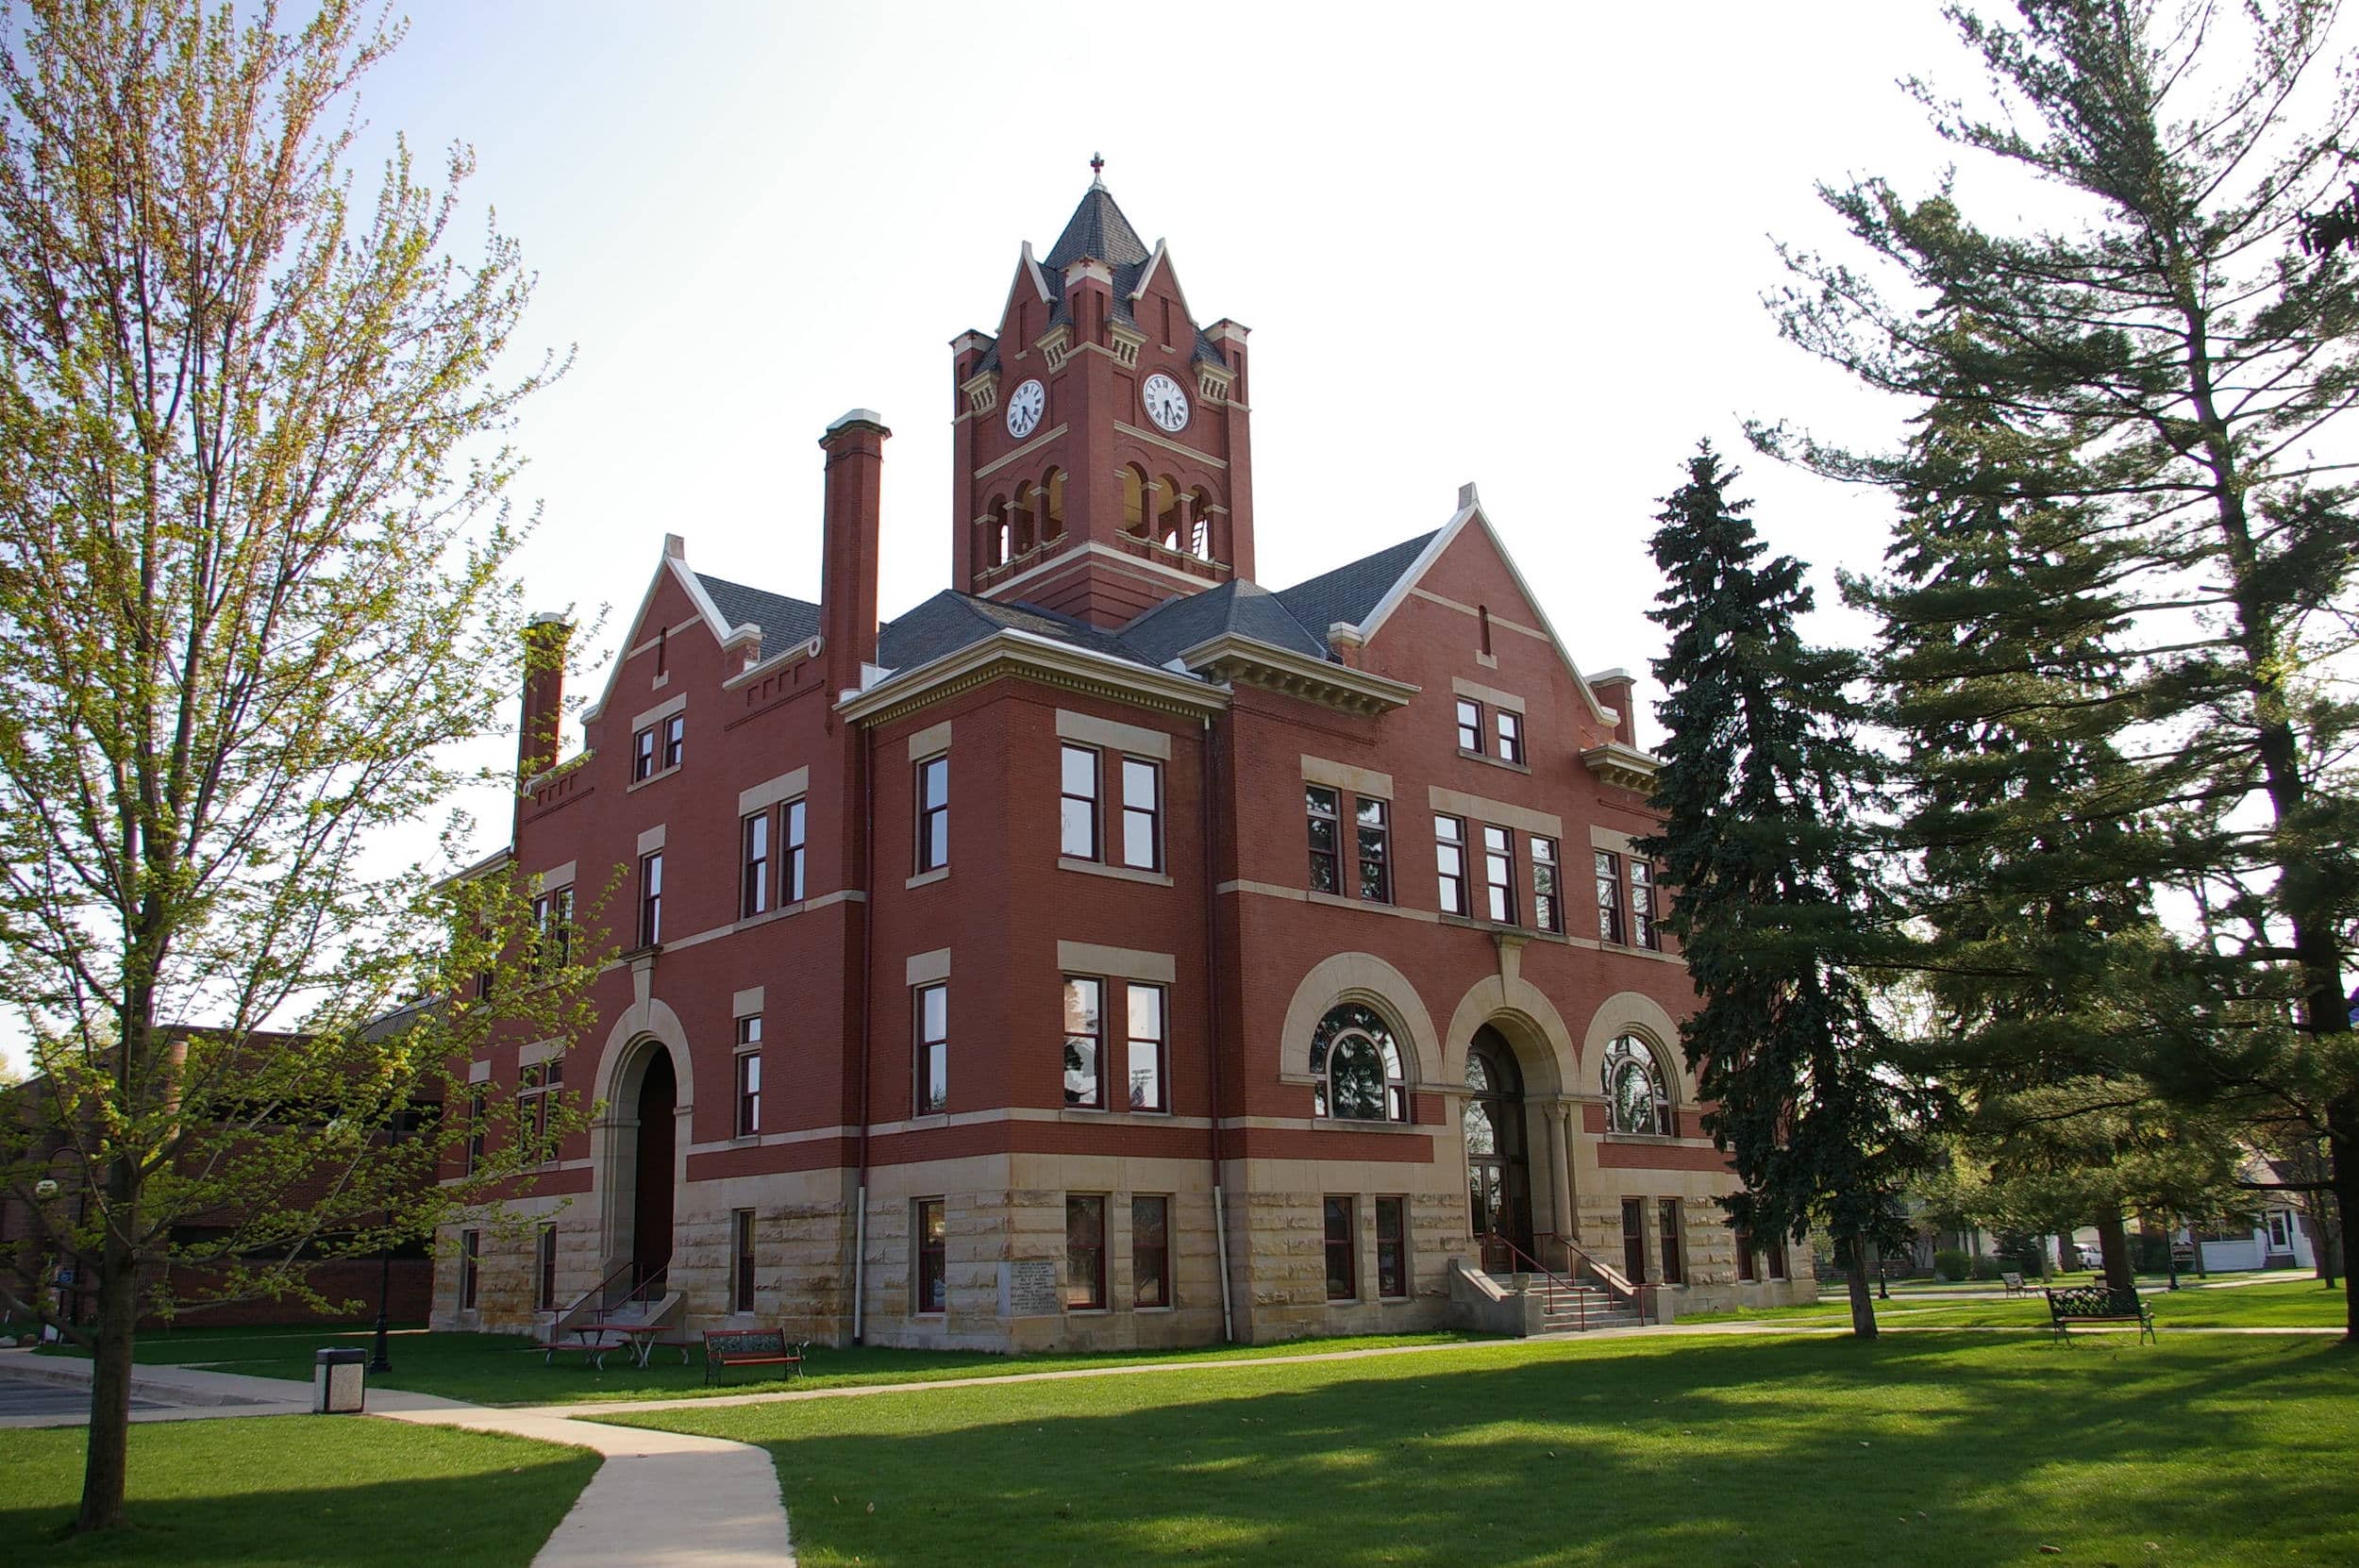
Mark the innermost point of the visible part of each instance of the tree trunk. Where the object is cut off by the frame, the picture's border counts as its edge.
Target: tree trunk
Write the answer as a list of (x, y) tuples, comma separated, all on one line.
[(2342, 1153), (105, 1456), (1862, 1300), (2113, 1240), (2068, 1259)]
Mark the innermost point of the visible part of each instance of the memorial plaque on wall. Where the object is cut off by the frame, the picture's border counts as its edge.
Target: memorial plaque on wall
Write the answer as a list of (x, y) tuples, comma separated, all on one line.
[(1028, 1288)]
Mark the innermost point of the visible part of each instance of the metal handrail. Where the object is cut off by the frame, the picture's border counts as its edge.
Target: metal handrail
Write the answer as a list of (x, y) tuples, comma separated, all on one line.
[(1556, 1281), (1615, 1283), (591, 1304)]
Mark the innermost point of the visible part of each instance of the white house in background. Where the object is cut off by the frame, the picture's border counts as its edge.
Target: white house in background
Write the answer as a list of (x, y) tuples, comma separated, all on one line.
[(2280, 1239)]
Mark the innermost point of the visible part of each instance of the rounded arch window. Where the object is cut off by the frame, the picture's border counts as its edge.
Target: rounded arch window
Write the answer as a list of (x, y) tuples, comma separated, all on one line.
[(1358, 1064), (1636, 1092)]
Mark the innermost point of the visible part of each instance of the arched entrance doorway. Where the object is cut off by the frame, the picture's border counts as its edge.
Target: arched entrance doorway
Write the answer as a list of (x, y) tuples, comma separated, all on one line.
[(651, 1203), (1498, 1168)]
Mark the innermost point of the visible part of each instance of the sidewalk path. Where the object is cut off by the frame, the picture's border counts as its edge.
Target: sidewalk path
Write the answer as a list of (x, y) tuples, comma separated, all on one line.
[(662, 1499)]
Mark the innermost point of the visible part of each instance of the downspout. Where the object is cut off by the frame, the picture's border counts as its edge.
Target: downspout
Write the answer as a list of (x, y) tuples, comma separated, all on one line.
[(1212, 1031), (867, 970)]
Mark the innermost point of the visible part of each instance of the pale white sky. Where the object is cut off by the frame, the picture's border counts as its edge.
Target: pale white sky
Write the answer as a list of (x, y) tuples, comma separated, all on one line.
[(1541, 233)]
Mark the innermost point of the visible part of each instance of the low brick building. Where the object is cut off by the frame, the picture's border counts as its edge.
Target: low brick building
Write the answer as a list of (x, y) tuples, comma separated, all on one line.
[(1108, 950)]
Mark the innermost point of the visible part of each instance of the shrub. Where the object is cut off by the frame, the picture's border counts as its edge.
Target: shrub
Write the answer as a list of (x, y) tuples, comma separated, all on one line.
[(1950, 1264), (1989, 1268)]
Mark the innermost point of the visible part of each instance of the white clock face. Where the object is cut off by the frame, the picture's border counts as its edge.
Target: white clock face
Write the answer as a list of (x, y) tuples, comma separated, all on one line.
[(1167, 403), (1025, 406)]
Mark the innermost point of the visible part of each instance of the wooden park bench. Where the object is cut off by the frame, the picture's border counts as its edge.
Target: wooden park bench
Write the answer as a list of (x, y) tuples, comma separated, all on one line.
[(2014, 1283), (729, 1347), (2096, 1304)]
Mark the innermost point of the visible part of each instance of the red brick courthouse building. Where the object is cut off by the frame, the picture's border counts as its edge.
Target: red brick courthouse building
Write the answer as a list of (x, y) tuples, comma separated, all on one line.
[(1108, 950)]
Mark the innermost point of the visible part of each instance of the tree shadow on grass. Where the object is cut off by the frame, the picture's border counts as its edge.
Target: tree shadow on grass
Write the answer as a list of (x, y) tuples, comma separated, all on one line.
[(193, 1506), (1679, 1453)]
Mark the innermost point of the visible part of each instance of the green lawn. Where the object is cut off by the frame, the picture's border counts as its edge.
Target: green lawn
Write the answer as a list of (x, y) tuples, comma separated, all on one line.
[(1672, 1451), (2289, 1304), (295, 1491), (505, 1369)]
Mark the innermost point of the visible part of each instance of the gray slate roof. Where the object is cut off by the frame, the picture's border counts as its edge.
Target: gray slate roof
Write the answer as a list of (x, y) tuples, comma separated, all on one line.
[(937, 627), (1350, 592), (1242, 609), (782, 620)]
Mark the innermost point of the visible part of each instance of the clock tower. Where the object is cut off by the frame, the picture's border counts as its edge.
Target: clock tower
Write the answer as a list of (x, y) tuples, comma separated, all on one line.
[(1103, 462)]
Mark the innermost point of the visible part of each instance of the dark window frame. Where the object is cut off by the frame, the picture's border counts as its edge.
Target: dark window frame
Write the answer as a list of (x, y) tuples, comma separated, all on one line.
[(1378, 833), (643, 756), (746, 1073), (1152, 812), (1499, 874), (545, 1267), (930, 1231), (1509, 726), (1671, 1239), (1392, 1248), (742, 1226), (1094, 1097), (930, 1047), (754, 833), (1344, 1249), (1548, 883), (794, 833), (1085, 1261), (1323, 808), (470, 1269), (1607, 868), (1450, 843), (1644, 930), (1140, 1297), (1469, 721), (1066, 799), (1158, 1046), (651, 899), (933, 817), (675, 742)]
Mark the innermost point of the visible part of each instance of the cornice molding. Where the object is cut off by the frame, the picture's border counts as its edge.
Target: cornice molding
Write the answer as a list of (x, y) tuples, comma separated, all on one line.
[(1253, 662), (1027, 657), (1624, 766)]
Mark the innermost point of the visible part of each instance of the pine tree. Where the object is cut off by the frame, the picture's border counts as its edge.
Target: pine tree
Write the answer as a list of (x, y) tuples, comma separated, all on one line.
[(1763, 791), (2177, 369)]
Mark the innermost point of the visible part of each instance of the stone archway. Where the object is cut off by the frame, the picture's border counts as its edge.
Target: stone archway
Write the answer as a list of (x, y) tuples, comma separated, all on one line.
[(1493, 1122), (639, 1148)]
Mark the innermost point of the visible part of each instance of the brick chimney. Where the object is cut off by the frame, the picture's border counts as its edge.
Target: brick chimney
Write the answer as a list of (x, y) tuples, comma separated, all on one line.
[(850, 541), (546, 637), (1618, 691)]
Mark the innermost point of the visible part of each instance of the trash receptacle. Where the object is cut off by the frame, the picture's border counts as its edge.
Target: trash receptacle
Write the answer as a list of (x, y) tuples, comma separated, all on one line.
[(339, 1382)]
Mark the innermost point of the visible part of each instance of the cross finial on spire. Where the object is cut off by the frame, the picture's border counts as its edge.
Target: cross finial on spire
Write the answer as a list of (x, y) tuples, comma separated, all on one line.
[(1097, 170)]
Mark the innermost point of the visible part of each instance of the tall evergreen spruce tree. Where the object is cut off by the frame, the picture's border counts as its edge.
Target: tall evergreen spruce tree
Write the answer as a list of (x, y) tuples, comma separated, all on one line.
[(1774, 899), (1999, 673), (2183, 370)]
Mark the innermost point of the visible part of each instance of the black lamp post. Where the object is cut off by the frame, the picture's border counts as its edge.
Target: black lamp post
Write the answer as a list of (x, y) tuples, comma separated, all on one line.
[(381, 1362)]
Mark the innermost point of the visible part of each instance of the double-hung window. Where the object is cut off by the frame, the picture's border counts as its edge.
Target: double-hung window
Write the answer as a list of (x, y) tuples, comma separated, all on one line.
[(1150, 1252), (1142, 814), (1148, 1069), (1469, 725), (749, 1075), (553, 928), (1609, 897), (1499, 874), (1078, 803), (933, 813), (470, 1267), (476, 1131), (538, 1087), (643, 755), (545, 1267), (1642, 928), (674, 741), (1375, 830), (1343, 1270), (1449, 855), (1084, 1043), (1672, 1238), (1085, 1252), (740, 1260), (1392, 1248), (1325, 809), (932, 1010), (933, 1274), (791, 872), (1548, 905), (1511, 730), (754, 891), (651, 899)]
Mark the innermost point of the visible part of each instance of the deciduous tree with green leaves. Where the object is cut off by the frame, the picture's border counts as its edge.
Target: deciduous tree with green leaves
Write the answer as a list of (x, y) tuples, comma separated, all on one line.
[(2177, 374), (1768, 844), (253, 593)]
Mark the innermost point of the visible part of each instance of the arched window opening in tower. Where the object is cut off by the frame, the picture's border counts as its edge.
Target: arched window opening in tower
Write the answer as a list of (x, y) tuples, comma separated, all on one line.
[(1052, 504)]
